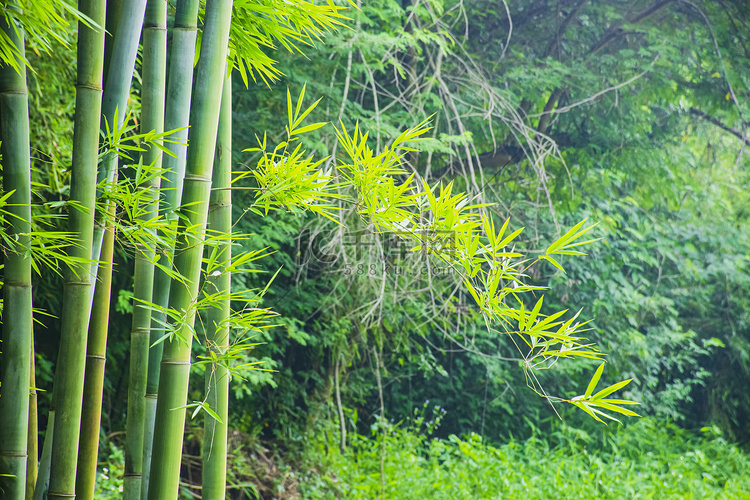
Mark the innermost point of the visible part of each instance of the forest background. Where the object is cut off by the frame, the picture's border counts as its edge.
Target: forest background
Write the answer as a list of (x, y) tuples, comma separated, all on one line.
[(631, 115)]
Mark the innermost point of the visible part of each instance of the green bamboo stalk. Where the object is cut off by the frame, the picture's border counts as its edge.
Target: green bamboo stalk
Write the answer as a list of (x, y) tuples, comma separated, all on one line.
[(96, 357), (177, 116), (43, 474), (42, 480), (32, 438), (116, 93), (68, 391), (114, 9), (124, 20), (179, 93), (175, 365), (152, 120), (217, 336), (120, 73), (17, 310)]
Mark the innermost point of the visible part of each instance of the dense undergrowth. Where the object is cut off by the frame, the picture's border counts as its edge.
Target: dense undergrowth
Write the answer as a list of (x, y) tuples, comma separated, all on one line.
[(646, 459), (649, 459)]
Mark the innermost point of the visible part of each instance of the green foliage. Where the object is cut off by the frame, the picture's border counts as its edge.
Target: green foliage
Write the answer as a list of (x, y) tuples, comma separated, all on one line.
[(662, 310), (259, 25), (290, 178), (457, 234), (648, 458), (44, 23), (109, 482)]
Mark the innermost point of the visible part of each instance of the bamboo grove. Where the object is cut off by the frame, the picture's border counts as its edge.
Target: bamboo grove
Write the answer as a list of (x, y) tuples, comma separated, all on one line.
[(158, 181)]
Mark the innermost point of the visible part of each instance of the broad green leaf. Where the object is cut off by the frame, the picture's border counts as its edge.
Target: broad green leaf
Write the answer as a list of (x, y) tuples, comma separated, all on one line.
[(510, 237), (208, 409)]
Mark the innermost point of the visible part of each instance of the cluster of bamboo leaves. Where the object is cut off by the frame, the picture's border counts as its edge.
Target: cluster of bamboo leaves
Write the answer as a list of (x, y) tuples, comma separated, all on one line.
[(183, 257), (447, 226)]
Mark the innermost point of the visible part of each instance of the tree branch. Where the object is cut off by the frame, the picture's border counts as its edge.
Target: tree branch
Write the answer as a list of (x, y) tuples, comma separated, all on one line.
[(563, 27), (610, 35), (550, 111), (737, 133), (616, 31)]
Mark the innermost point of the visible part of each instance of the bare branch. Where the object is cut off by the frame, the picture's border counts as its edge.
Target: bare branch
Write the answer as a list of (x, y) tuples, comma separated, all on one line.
[(592, 97), (510, 30), (563, 27), (616, 31), (738, 134)]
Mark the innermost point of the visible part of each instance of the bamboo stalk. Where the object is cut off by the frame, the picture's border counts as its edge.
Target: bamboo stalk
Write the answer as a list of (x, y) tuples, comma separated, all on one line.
[(69, 374), (217, 336), (43, 474), (115, 99), (32, 438), (177, 116), (152, 120), (175, 365), (96, 357), (42, 480), (179, 94), (114, 10), (17, 310)]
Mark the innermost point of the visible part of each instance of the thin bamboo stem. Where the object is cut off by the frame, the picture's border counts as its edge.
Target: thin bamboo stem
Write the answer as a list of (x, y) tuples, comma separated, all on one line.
[(342, 422), (32, 439), (96, 357), (217, 318), (41, 489)]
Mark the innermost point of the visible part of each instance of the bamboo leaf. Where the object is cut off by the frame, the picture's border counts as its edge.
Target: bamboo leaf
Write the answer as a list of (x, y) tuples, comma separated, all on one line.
[(535, 311), (564, 238), (615, 408), (309, 128), (510, 237), (208, 409), (594, 381), (585, 408), (553, 262), (612, 388)]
